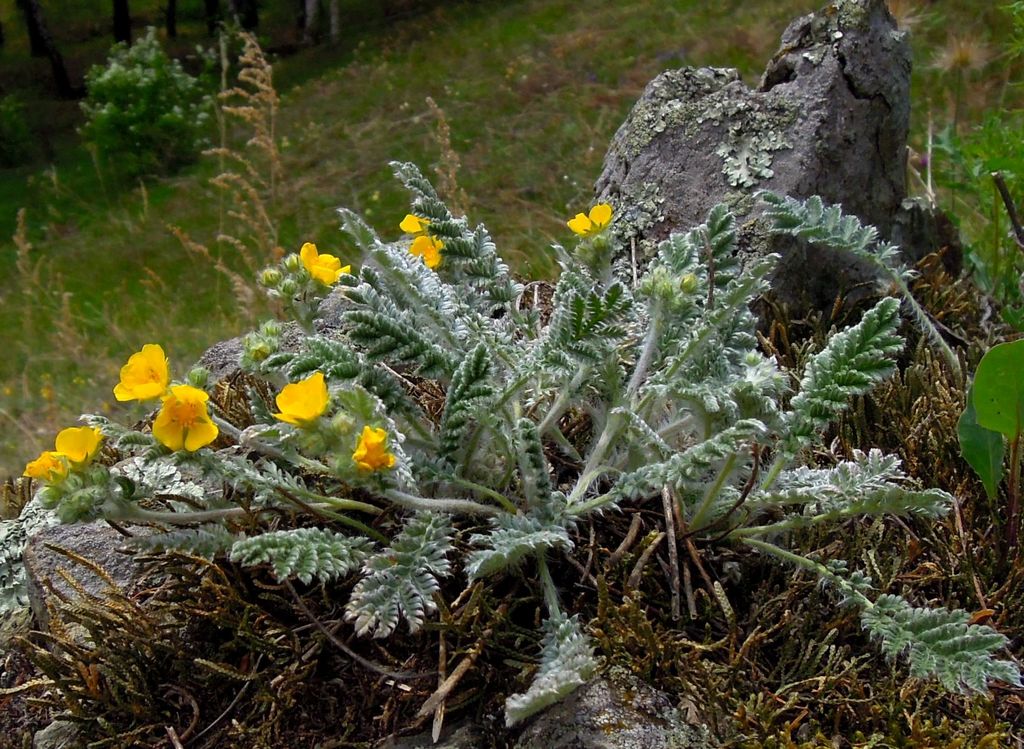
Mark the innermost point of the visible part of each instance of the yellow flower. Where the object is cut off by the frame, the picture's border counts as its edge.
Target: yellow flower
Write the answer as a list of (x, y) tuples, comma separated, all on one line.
[(324, 268), (49, 466), (429, 249), (302, 403), (414, 224), (424, 246), (372, 453), (145, 376), (183, 421), (79, 444), (600, 216)]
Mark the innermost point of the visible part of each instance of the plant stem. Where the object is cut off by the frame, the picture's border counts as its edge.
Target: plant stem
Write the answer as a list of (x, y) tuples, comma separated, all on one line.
[(501, 499), (560, 402), (647, 354), (815, 567), (440, 504), (697, 521), (591, 470), (1013, 485), (550, 591)]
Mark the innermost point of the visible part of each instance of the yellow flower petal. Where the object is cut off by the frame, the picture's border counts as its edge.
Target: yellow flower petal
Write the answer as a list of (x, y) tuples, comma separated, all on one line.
[(600, 215), (308, 255), (200, 434), (50, 466), (323, 267), (371, 454), (580, 224), (302, 403), (429, 248), (145, 376), (183, 421), (79, 444), (413, 224)]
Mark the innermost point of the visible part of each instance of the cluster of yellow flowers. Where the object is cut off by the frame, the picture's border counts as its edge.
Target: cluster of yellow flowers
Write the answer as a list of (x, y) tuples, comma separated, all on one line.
[(183, 421), (74, 449), (423, 245), (302, 403)]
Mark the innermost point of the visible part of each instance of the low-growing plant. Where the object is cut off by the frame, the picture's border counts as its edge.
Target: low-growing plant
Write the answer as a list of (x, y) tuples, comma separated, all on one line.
[(144, 112), (443, 424), (994, 417)]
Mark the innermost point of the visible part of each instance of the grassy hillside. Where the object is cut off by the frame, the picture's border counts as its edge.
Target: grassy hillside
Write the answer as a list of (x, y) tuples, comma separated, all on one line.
[(532, 92)]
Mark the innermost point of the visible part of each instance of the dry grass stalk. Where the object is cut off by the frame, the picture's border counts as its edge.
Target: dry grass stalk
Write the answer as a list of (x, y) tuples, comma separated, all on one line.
[(242, 287), (448, 168)]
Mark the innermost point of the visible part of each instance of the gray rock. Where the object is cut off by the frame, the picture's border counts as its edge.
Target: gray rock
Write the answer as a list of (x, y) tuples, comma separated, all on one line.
[(614, 713), (97, 542), (222, 359), (465, 736), (829, 118), (61, 734)]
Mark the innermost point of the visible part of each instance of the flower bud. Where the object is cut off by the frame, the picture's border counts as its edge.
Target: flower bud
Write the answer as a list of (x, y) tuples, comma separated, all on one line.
[(270, 277), (688, 283), (292, 263), (289, 287), (258, 350)]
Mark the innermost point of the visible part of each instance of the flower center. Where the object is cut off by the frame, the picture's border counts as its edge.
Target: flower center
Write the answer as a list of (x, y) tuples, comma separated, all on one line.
[(185, 413)]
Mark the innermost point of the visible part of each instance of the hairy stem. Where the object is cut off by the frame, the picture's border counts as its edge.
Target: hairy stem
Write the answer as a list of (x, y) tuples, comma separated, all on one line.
[(699, 519), (815, 567), (647, 353), (440, 504)]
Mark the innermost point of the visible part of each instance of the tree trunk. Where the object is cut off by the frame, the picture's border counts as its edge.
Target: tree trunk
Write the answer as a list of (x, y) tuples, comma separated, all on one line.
[(122, 22), (212, 16), (309, 31), (335, 13), (35, 39), (247, 12), (172, 19), (34, 19)]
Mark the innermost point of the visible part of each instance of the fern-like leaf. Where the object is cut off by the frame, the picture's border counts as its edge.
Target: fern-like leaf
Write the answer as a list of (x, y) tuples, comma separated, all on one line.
[(871, 484), (813, 221), (303, 553), (401, 580), (852, 363), (206, 541), (941, 644), (689, 465), (567, 661), (512, 539), (469, 392)]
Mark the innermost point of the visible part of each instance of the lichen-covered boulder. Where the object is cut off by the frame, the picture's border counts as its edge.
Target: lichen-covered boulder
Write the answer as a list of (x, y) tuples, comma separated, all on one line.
[(830, 118), (614, 712)]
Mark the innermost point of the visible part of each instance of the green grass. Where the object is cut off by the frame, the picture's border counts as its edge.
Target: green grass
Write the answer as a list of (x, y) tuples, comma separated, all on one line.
[(533, 92)]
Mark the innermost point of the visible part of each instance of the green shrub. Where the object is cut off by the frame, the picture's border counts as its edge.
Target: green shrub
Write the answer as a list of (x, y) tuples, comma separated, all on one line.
[(16, 141), (144, 113)]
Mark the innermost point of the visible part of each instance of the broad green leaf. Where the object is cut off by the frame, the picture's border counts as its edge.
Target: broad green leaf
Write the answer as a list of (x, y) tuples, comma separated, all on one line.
[(981, 447), (999, 389)]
